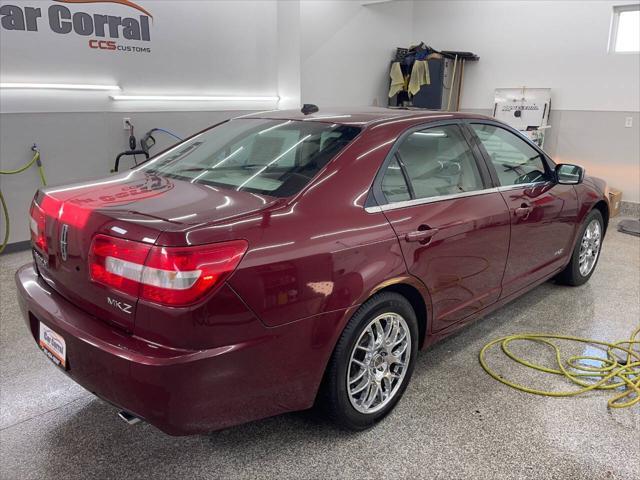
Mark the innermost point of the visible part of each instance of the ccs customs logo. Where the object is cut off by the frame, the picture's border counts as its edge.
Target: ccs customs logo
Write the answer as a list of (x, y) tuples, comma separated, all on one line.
[(109, 33)]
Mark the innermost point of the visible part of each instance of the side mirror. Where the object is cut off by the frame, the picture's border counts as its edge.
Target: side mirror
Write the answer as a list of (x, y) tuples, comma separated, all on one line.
[(567, 174)]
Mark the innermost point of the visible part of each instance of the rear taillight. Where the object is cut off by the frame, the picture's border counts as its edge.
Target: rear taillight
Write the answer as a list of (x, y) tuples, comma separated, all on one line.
[(56, 210), (174, 276), (117, 263), (178, 276), (37, 226)]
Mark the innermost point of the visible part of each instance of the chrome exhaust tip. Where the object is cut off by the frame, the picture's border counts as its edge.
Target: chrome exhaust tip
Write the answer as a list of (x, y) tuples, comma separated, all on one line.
[(128, 418)]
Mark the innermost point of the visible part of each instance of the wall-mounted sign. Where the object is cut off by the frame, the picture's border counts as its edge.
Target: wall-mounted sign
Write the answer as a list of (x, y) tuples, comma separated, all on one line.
[(105, 31)]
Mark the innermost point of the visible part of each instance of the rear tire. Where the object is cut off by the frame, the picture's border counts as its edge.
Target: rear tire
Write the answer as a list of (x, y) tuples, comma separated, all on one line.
[(372, 362), (586, 252)]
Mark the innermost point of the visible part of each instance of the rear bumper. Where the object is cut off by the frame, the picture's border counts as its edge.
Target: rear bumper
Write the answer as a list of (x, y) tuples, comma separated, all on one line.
[(184, 391)]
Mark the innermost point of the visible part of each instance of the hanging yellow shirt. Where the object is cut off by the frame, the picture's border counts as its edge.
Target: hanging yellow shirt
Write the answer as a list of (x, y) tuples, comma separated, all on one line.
[(397, 80)]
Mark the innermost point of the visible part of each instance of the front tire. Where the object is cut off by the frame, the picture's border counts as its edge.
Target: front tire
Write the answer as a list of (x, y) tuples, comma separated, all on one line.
[(586, 253), (372, 362)]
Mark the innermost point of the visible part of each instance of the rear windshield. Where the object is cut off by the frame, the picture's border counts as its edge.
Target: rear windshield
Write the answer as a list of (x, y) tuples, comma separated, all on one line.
[(270, 157)]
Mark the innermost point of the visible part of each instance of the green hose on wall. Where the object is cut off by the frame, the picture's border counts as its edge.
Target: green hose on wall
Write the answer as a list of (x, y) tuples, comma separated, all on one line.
[(5, 210)]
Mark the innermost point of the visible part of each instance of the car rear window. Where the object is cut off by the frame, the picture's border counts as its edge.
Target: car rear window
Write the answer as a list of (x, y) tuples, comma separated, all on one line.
[(270, 157)]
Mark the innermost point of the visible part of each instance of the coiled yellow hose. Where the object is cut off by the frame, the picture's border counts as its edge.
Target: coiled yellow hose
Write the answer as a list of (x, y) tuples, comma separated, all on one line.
[(5, 211), (612, 373)]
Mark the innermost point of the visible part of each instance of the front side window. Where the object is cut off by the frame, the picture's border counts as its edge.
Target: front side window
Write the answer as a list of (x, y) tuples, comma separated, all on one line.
[(270, 157), (438, 162), (515, 161)]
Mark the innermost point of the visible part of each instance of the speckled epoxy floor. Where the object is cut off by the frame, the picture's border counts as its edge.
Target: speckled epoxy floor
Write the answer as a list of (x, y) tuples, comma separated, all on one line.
[(454, 421)]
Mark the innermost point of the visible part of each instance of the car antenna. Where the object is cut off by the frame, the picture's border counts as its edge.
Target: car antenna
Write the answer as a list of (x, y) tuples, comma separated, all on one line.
[(308, 108)]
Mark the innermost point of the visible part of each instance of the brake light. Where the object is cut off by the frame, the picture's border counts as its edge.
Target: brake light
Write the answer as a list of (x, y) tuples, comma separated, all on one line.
[(50, 207), (178, 276), (117, 263), (173, 276), (37, 226)]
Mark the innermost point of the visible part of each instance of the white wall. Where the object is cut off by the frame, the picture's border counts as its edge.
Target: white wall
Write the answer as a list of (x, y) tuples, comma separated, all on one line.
[(557, 44), (197, 47), (288, 51), (347, 47)]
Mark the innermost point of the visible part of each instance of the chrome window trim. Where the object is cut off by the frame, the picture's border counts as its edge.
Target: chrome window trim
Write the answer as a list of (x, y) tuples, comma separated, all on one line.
[(504, 188), (421, 201), (453, 196)]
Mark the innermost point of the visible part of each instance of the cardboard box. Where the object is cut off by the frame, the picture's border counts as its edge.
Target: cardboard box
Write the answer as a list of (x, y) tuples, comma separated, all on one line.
[(615, 197)]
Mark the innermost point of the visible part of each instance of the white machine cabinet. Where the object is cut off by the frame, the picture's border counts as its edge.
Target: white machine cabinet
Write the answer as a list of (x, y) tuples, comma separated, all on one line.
[(525, 109)]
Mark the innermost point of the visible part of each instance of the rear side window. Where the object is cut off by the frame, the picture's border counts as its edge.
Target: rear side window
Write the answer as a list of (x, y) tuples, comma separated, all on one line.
[(515, 161), (438, 162), (394, 185), (270, 157)]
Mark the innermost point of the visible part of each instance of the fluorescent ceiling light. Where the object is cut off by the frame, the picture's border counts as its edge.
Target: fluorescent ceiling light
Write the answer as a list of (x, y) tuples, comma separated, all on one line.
[(189, 98), (431, 134), (57, 86), (324, 117)]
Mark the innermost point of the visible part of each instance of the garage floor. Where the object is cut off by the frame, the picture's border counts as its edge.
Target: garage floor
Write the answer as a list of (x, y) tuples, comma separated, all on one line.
[(454, 421)]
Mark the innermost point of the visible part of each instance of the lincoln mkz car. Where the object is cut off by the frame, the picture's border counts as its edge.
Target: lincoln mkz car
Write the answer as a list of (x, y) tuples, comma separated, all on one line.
[(279, 261)]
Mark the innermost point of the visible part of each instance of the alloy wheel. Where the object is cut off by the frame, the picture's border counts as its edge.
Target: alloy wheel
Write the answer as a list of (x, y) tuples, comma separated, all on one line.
[(379, 363), (589, 247)]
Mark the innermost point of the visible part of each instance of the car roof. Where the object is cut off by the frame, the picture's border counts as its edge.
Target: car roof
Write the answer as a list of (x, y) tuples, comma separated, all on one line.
[(365, 116)]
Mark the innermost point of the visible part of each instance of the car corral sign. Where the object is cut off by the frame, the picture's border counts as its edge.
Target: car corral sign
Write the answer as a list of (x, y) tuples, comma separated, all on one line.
[(104, 31)]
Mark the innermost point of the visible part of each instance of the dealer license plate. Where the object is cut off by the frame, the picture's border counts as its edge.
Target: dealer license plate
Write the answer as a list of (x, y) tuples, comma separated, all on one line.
[(53, 345)]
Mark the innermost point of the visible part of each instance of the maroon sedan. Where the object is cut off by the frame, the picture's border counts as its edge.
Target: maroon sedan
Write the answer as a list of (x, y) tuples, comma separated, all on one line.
[(279, 260)]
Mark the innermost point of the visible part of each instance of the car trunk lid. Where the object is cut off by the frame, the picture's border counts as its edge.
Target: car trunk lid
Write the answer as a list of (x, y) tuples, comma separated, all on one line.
[(136, 207)]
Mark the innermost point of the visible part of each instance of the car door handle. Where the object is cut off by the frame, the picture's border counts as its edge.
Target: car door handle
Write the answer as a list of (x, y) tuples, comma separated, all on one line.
[(422, 236), (523, 210)]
